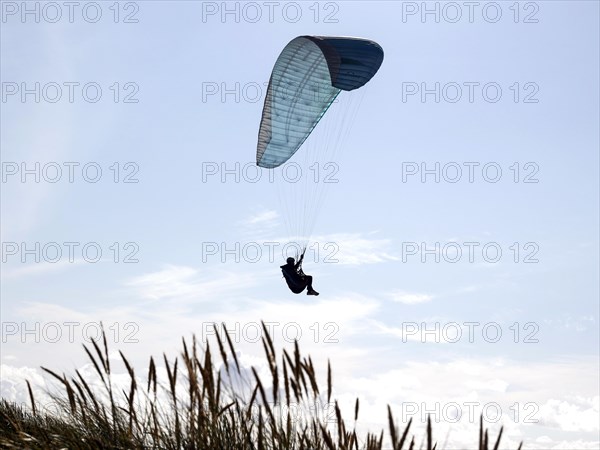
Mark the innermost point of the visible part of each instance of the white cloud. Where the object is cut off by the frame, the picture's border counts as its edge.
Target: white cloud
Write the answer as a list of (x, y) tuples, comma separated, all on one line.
[(403, 333), (39, 269), (356, 249), (409, 298), (266, 218), (581, 323), (571, 414), (13, 385), (49, 312), (415, 387), (184, 283)]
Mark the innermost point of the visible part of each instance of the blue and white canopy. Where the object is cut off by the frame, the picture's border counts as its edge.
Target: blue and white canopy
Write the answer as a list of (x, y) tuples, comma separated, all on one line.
[(308, 75)]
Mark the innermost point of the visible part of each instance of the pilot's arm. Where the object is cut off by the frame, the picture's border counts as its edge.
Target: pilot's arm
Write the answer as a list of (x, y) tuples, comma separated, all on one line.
[(299, 263)]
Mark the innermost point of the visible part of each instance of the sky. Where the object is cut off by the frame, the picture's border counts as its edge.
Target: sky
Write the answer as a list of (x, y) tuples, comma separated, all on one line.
[(456, 250)]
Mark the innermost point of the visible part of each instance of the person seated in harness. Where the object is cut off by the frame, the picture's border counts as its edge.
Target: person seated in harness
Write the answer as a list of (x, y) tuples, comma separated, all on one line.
[(295, 278)]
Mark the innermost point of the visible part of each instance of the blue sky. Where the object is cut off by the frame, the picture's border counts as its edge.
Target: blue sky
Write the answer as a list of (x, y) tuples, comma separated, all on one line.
[(171, 56)]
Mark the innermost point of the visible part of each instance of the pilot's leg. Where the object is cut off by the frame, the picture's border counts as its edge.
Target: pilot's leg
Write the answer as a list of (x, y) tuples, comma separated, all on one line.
[(308, 280), (310, 290)]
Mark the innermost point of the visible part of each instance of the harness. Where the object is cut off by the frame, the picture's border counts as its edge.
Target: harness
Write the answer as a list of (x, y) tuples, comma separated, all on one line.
[(293, 283)]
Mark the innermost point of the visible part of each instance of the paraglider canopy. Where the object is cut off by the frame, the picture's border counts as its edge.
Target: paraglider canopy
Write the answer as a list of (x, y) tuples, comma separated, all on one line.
[(308, 75)]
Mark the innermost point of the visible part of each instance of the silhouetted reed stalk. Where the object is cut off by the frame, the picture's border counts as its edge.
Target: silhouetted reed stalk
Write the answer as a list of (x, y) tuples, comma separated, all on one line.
[(199, 405)]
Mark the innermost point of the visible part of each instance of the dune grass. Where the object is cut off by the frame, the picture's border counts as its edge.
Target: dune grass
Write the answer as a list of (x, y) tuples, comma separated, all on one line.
[(203, 403)]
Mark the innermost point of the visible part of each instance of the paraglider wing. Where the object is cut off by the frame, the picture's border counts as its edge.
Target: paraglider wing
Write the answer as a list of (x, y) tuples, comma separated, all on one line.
[(308, 75)]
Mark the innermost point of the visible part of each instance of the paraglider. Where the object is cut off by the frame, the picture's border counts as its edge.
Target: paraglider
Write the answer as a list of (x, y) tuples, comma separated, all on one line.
[(308, 76), (295, 278)]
